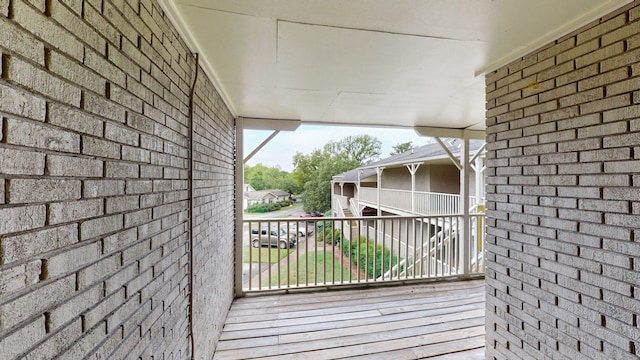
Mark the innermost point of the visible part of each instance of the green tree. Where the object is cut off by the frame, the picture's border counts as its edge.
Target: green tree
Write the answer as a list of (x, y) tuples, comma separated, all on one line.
[(254, 176), (360, 149), (402, 147), (262, 177), (306, 166), (314, 171)]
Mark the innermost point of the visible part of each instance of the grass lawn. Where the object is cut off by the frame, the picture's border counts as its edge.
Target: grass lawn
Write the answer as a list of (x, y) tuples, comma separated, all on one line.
[(264, 253), (298, 272)]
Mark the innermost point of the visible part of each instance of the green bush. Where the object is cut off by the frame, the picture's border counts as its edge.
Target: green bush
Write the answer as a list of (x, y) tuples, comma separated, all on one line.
[(376, 258), (285, 203), (373, 257), (268, 207), (331, 236), (258, 208), (321, 226), (351, 247), (273, 206), (346, 248)]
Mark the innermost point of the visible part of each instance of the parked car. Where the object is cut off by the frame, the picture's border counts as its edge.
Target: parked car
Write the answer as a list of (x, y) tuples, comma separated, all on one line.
[(273, 237), (312, 214), (299, 228)]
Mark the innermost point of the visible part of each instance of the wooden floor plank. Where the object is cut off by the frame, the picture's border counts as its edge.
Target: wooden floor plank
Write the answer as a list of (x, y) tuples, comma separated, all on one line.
[(449, 347), (291, 300), (282, 327), (253, 325), (445, 348), (393, 339), (350, 330), (475, 354), (339, 307), (381, 349), (258, 305), (403, 322)]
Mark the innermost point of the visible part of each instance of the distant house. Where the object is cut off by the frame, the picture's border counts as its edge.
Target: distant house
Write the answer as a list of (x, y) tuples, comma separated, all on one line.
[(252, 197), (421, 181), (248, 187)]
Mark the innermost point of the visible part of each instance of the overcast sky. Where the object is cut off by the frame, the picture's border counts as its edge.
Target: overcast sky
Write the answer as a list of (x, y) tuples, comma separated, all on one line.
[(280, 150)]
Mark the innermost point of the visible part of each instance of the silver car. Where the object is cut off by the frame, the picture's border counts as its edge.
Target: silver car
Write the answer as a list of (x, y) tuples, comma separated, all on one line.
[(273, 237)]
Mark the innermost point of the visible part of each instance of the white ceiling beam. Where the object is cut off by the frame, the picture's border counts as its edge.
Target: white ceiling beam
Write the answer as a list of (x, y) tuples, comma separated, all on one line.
[(270, 124), (450, 133)]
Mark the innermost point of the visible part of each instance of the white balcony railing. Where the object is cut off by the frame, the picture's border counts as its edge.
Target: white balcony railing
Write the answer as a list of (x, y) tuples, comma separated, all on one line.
[(331, 252), (418, 202), (340, 204)]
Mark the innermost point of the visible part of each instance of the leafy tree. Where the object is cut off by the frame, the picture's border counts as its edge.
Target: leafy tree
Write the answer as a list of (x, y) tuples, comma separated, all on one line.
[(264, 178), (361, 149), (306, 166), (317, 191), (254, 176), (314, 171), (402, 147)]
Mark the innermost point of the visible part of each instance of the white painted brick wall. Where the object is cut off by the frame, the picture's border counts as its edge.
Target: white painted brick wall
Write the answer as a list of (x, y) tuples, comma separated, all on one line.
[(94, 204), (563, 203)]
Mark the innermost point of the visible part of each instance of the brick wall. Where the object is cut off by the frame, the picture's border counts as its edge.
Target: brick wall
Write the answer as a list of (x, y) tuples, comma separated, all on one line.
[(563, 134), (94, 185), (213, 192)]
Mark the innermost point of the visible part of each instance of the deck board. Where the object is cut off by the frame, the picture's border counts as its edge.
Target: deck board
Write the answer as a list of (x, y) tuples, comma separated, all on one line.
[(439, 321)]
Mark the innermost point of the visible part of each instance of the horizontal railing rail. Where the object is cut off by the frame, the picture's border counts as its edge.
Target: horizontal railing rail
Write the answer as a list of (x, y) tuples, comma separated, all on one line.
[(331, 252), (417, 202)]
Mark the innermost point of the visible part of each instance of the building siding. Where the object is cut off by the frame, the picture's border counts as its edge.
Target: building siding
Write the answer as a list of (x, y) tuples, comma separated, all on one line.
[(94, 186), (562, 197)]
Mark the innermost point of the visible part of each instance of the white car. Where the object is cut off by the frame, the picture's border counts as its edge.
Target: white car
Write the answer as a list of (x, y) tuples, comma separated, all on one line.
[(298, 228)]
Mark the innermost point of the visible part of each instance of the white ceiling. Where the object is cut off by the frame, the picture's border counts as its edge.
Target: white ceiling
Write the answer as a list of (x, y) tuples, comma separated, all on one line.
[(368, 62)]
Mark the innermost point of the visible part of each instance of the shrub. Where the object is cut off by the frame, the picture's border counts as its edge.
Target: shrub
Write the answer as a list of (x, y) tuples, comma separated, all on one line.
[(285, 203), (351, 247), (375, 258), (321, 226), (346, 248), (258, 208), (273, 206), (331, 236), (267, 207)]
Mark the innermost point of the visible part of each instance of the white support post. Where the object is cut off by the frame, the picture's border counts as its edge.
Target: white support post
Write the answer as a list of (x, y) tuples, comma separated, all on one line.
[(379, 171), (413, 168), (359, 212), (239, 175), (479, 170), (465, 233)]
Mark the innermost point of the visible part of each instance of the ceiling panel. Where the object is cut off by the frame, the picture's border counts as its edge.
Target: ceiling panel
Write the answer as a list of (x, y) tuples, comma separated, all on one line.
[(378, 62)]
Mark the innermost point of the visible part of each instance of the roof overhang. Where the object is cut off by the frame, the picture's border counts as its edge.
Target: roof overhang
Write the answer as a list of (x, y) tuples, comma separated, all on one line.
[(412, 64)]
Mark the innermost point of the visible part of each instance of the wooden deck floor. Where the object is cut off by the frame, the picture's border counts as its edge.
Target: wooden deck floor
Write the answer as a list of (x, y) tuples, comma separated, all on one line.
[(435, 321)]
